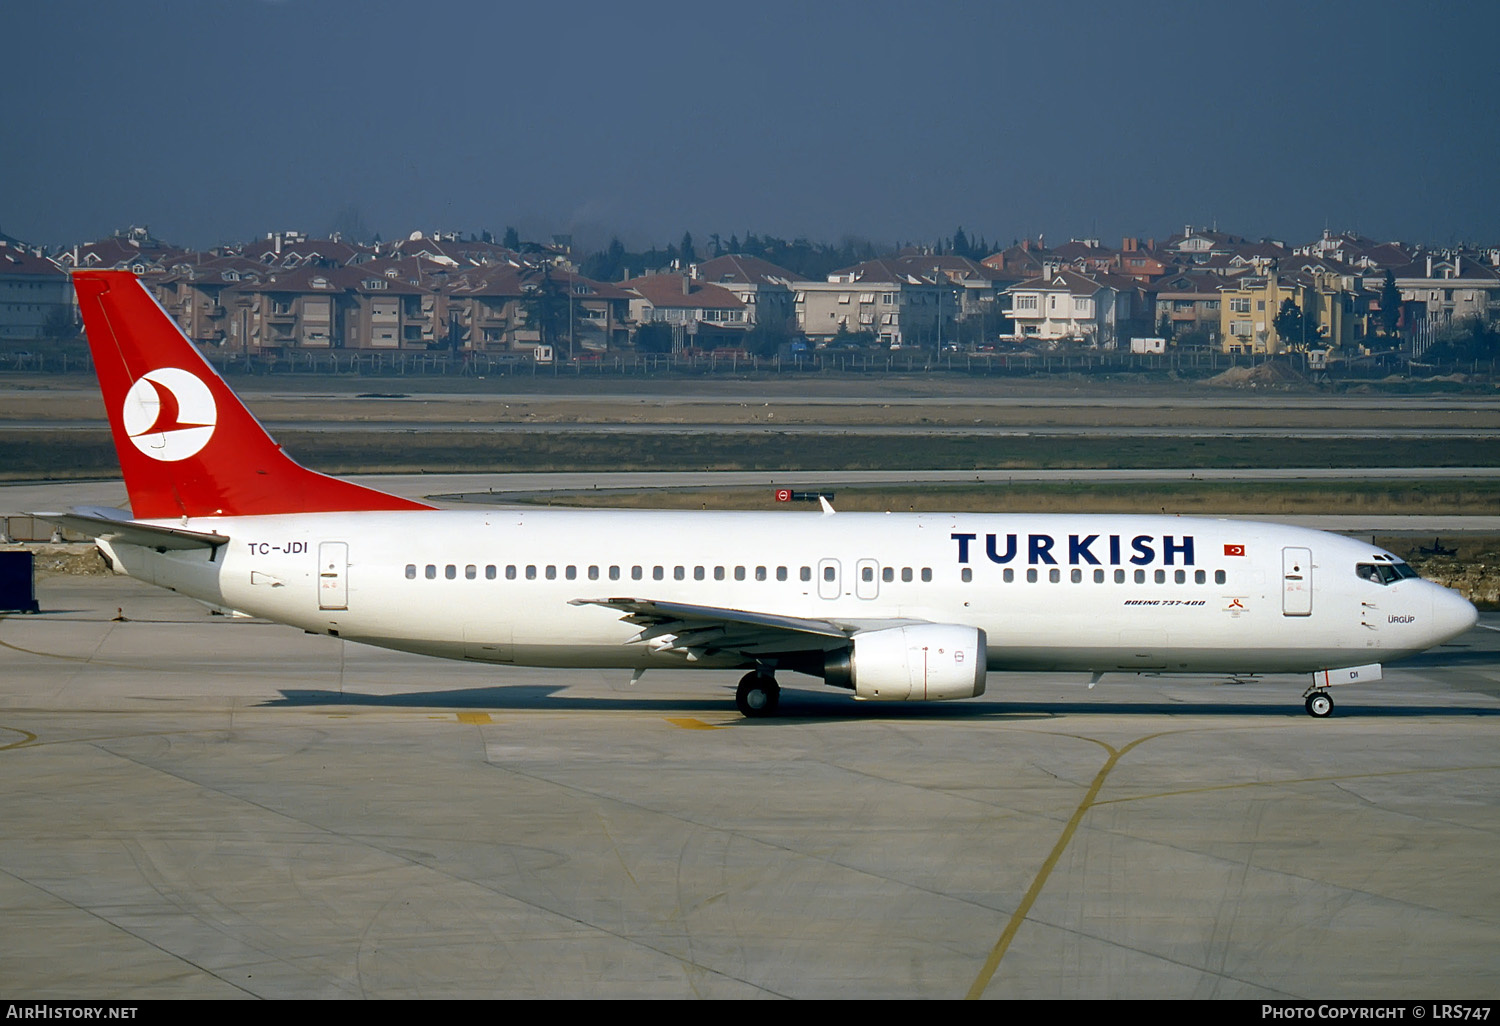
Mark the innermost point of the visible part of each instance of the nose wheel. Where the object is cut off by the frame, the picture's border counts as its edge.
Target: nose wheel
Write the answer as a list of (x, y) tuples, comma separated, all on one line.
[(1319, 704), (758, 695)]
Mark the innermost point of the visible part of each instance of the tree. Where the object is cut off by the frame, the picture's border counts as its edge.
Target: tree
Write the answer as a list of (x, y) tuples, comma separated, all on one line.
[(60, 324), (1390, 305), (1467, 340), (686, 251), (512, 238), (1294, 328), (546, 306), (349, 224), (766, 338), (653, 337)]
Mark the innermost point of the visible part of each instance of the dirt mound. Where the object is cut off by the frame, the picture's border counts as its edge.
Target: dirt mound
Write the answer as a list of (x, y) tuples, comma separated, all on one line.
[(1271, 374)]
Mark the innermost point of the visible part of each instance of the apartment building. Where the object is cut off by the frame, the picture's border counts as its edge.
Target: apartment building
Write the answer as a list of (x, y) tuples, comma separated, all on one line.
[(897, 304), (1066, 305), (700, 313), (1250, 303), (766, 289), (1188, 305), (1448, 288), (35, 294), (320, 308)]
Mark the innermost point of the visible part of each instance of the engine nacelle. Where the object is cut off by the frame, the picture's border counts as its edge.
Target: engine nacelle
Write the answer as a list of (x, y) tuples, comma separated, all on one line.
[(922, 663)]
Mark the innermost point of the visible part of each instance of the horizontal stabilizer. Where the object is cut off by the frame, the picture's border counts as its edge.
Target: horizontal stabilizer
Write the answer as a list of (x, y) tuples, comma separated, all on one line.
[(115, 525)]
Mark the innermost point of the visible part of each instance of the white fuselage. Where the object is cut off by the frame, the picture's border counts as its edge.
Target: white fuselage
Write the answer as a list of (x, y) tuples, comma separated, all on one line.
[(1080, 592)]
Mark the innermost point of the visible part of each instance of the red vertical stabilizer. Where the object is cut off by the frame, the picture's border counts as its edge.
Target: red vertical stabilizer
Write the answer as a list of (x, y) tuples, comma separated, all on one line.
[(187, 445)]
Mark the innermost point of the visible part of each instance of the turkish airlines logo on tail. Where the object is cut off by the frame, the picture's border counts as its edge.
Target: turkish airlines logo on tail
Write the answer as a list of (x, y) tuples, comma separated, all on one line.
[(170, 414)]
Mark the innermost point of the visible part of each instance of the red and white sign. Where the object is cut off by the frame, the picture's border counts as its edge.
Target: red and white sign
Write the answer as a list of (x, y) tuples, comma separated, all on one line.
[(1234, 550), (783, 495)]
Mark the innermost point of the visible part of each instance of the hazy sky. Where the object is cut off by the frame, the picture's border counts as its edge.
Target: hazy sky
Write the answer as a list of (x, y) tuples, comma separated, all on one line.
[(218, 120)]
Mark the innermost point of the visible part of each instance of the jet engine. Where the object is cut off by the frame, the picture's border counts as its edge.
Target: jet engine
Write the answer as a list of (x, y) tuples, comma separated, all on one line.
[(920, 663)]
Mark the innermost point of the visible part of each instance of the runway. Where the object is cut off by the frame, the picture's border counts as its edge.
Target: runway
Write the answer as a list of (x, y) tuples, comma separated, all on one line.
[(207, 807)]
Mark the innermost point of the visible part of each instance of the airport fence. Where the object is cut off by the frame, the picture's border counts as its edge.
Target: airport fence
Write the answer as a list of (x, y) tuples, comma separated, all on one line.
[(1189, 363), (23, 528)]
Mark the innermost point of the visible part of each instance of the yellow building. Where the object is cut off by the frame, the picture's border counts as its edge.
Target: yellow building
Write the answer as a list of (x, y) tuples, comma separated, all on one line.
[(1247, 313)]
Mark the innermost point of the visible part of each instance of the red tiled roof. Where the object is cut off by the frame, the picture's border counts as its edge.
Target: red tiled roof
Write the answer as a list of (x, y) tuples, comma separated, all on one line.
[(666, 290)]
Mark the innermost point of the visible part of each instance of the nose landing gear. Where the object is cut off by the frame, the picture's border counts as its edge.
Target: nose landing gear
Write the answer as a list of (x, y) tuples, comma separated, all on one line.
[(1319, 704)]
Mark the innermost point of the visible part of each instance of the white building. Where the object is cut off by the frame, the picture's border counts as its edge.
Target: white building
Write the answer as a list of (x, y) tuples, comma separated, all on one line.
[(1069, 305)]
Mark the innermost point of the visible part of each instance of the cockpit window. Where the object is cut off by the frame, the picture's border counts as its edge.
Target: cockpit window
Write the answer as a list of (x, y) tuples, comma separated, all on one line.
[(1384, 573)]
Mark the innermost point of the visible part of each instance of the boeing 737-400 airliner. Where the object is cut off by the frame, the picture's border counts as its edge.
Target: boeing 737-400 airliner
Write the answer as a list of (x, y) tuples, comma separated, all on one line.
[(888, 606)]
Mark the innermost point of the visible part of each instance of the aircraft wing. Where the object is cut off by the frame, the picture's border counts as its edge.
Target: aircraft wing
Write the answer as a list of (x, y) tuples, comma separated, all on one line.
[(117, 525), (707, 630)]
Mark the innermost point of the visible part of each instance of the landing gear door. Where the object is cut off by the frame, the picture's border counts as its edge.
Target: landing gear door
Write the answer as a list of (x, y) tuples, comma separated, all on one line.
[(333, 575), (1296, 582)]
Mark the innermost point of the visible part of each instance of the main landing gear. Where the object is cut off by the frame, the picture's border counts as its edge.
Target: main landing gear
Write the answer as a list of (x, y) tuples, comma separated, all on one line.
[(1319, 704), (758, 695)]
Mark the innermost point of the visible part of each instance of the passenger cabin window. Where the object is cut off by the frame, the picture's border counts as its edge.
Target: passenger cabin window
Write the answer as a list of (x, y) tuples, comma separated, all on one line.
[(411, 571)]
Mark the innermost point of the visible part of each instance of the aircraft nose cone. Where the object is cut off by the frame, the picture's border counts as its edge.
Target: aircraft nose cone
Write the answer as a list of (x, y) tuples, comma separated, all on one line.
[(1452, 614)]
